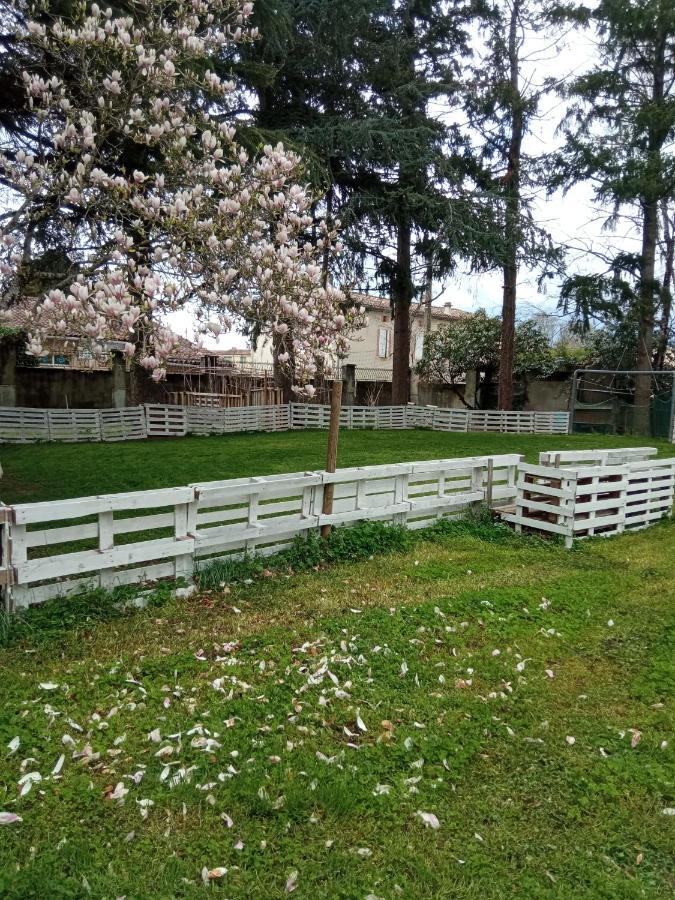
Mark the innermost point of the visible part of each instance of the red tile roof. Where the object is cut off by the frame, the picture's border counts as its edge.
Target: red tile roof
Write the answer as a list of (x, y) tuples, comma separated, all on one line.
[(437, 312)]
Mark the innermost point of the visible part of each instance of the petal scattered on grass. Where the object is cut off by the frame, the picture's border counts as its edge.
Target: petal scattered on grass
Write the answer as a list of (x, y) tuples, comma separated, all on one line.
[(429, 819), (9, 818)]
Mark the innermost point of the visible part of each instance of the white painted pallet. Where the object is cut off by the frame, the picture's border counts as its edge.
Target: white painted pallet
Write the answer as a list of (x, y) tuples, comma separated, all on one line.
[(73, 425), (580, 500), (603, 457), (126, 424), (166, 421), (23, 425)]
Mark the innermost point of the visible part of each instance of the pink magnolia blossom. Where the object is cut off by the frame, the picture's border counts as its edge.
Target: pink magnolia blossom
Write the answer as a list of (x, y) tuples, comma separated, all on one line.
[(202, 228)]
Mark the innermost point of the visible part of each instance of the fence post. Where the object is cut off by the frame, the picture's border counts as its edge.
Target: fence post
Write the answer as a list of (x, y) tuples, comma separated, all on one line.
[(106, 541), (488, 488), (400, 496), (185, 525), (6, 571), (19, 554), (477, 475)]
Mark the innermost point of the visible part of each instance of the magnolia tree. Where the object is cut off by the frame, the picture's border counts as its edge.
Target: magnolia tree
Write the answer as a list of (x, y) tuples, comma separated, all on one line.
[(134, 163)]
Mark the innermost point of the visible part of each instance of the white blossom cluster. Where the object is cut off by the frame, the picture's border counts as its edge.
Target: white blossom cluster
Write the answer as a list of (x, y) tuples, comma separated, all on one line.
[(158, 205)]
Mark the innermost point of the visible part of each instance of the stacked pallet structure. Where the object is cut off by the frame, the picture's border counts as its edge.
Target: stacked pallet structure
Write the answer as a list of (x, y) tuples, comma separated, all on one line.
[(578, 494)]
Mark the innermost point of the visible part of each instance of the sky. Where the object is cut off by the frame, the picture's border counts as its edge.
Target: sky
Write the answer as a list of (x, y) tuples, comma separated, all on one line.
[(573, 219)]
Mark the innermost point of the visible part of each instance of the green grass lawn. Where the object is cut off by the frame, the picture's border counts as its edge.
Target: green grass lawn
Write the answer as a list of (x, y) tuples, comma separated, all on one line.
[(53, 471), (520, 693), (302, 732)]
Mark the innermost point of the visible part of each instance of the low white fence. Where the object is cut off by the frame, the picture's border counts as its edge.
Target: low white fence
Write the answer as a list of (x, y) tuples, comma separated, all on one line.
[(177, 421), (581, 494), (307, 415), (25, 425), (62, 547)]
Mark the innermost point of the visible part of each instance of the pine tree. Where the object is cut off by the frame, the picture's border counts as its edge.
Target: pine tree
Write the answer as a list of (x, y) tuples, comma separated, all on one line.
[(620, 134), (502, 105), (354, 85)]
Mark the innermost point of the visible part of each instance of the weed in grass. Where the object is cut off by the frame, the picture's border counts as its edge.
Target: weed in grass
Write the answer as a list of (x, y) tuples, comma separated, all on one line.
[(309, 552), (63, 614)]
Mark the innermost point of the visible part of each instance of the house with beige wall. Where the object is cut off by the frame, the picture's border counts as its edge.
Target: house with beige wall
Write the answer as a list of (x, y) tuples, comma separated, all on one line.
[(372, 346)]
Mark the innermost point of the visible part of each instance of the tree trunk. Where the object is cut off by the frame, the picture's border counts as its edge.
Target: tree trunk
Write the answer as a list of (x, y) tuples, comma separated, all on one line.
[(511, 219), (331, 452), (428, 293), (402, 299), (643, 383), (282, 374), (409, 177), (650, 234), (667, 288)]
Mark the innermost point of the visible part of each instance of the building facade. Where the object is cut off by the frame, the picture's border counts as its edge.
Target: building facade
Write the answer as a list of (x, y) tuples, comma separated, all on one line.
[(372, 347)]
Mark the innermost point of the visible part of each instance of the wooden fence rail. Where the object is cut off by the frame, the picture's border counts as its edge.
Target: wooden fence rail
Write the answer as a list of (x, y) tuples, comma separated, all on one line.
[(62, 547), (22, 425)]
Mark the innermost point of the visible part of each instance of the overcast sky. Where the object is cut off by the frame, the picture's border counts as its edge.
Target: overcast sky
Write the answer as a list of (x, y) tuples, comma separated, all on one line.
[(574, 220)]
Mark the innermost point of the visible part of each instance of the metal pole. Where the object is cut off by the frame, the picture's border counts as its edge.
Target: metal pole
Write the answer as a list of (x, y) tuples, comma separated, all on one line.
[(671, 433)]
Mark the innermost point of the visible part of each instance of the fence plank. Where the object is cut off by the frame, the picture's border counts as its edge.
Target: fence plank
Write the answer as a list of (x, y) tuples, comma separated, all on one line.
[(126, 424)]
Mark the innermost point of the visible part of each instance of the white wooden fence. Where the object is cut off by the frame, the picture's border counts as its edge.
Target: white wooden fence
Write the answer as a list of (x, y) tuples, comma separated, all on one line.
[(62, 547), (307, 415), (23, 425), (581, 494), (177, 421)]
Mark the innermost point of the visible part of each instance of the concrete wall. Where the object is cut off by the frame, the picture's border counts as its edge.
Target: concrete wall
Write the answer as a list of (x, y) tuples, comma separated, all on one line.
[(440, 395), (549, 395), (58, 389), (61, 388)]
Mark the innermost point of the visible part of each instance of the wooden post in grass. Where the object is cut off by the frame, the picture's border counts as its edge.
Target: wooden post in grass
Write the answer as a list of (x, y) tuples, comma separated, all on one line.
[(331, 456)]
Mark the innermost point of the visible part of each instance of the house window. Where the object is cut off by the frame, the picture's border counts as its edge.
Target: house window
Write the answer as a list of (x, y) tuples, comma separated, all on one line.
[(383, 343), (54, 359)]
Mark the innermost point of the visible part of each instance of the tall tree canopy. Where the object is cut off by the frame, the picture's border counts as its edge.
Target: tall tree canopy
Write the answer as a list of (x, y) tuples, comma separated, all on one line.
[(503, 99), (620, 136), (365, 88)]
